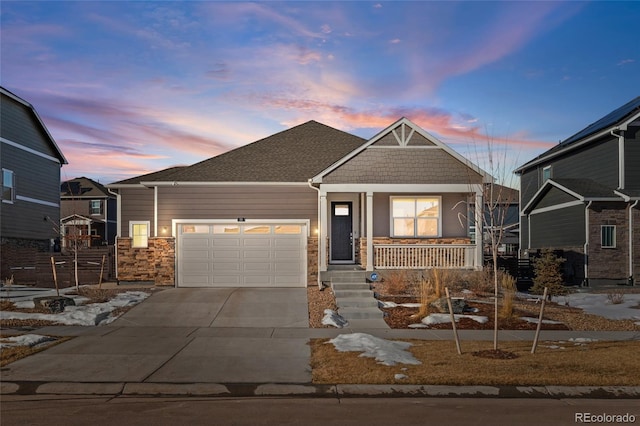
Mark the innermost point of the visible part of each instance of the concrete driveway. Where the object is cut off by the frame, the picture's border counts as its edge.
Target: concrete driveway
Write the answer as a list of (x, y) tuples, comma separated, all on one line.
[(227, 335)]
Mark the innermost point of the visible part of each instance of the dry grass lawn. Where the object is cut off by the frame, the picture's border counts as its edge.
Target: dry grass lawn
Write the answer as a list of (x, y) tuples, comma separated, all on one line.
[(588, 364)]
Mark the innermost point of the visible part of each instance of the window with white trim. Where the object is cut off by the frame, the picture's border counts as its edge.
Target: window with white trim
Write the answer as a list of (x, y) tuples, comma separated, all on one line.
[(8, 186), (95, 207), (417, 217), (139, 233), (546, 174), (608, 236)]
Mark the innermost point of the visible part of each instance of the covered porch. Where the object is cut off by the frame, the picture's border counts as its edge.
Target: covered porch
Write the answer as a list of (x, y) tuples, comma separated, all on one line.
[(383, 227)]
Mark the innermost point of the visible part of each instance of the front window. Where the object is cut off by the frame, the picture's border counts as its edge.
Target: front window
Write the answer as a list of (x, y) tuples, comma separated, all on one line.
[(8, 186), (95, 207), (608, 236), (417, 217), (139, 232)]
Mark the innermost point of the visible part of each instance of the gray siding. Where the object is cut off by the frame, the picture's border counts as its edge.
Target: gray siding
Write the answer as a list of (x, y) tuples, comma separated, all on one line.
[(554, 196), (137, 204), (35, 178), (558, 228), (598, 162), (231, 202), (632, 158), (19, 125), (403, 166), (528, 186), (454, 213)]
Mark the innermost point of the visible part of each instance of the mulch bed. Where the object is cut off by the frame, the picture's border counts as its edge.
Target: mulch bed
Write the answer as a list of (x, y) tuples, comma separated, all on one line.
[(401, 317)]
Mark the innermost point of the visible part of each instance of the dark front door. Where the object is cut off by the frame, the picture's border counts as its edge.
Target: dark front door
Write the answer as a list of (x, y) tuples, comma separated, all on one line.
[(341, 232)]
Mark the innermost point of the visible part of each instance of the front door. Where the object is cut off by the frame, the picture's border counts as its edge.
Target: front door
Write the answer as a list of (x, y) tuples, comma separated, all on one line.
[(342, 232)]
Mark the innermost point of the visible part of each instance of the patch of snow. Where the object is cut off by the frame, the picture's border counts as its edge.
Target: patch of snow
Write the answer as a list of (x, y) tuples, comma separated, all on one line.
[(582, 340), (417, 325), (400, 376), (385, 304), (334, 319), (24, 340), (535, 320), (446, 318), (91, 314), (599, 304), (386, 352)]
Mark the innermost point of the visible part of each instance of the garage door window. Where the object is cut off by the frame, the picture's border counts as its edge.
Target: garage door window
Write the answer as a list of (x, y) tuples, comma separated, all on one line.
[(195, 229), (257, 229), (288, 229), (226, 229)]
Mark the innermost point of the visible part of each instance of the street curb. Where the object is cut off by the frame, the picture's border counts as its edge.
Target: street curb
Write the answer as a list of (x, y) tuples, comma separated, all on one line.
[(238, 390)]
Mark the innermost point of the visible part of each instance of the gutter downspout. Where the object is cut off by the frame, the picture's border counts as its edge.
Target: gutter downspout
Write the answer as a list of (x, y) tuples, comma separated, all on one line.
[(585, 282), (320, 286), (620, 157), (631, 265), (118, 224)]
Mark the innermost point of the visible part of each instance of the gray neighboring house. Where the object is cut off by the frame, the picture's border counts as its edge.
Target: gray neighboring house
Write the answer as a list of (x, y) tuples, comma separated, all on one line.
[(285, 210), (582, 197), (30, 205), (88, 213)]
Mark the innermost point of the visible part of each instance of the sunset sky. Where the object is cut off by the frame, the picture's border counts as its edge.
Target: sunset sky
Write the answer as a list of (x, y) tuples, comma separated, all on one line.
[(131, 87)]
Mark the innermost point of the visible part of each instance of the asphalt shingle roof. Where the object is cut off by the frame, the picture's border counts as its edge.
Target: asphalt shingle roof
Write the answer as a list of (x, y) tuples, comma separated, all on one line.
[(587, 188), (82, 187), (293, 155)]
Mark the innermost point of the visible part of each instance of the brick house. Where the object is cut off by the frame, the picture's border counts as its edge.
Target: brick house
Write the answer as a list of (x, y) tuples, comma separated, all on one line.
[(285, 210), (582, 197)]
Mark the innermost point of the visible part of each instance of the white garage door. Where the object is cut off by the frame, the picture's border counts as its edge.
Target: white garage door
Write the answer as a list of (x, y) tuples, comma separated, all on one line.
[(241, 255)]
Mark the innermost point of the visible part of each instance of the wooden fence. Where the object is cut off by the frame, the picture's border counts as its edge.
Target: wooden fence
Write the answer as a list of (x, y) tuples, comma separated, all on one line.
[(36, 270)]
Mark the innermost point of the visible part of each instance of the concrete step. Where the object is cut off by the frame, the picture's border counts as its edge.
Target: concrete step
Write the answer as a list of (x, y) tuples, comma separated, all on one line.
[(371, 323), (356, 302), (347, 276), (359, 313), (353, 293), (350, 286)]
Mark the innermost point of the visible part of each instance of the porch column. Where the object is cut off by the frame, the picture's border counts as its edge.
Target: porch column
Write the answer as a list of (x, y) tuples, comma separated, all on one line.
[(478, 264), (322, 237), (369, 231)]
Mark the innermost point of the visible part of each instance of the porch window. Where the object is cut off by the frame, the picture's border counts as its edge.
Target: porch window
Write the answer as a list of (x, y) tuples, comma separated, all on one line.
[(417, 217), (139, 232), (8, 186), (95, 207), (608, 236)]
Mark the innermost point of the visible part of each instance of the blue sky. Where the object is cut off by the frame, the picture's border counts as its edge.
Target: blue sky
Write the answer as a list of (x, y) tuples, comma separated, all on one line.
[(131, 87)]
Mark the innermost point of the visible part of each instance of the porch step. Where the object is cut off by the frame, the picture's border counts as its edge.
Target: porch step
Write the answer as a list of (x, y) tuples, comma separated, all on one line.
[(355, 299), (358, 276)]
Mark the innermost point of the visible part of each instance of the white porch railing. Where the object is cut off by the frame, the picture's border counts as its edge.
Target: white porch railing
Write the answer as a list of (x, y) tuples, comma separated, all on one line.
[(423, 256)]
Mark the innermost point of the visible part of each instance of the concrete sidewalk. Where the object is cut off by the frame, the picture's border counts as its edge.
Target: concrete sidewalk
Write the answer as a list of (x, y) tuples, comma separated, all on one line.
[(233, 342)]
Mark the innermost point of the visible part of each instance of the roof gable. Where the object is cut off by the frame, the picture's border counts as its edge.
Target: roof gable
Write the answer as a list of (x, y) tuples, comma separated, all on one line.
[(55, 150), (615, 120), (83, 187), (582, 190), (415, 153)]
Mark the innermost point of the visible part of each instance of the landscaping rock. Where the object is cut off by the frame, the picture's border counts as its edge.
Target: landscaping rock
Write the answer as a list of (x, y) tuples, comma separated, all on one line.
[(55, 304), (457, 304)]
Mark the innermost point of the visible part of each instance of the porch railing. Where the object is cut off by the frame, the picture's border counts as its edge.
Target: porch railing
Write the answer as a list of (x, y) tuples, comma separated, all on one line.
[(423, 256)]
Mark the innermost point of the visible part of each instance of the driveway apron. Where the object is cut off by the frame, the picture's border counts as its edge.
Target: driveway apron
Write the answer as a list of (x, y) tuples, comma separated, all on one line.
[(186, 335)]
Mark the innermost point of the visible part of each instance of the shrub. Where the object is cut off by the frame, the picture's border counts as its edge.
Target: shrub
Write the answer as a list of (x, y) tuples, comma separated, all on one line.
[(547, 269), (508, 286), (616, 297)]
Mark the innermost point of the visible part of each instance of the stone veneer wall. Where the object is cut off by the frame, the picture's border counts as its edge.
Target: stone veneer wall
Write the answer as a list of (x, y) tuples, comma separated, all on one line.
[(608, 263), (156, 263), (312, 261), (401, 241)]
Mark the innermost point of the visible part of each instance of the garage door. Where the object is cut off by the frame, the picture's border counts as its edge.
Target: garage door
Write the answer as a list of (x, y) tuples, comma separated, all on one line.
[(241, 255)]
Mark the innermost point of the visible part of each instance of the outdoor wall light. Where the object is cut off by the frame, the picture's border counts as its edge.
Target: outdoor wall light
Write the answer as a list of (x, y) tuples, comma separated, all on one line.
[(164, 229)]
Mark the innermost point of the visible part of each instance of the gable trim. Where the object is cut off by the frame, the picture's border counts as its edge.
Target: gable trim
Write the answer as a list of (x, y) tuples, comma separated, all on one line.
[(557, 207), (391, 129), (30, 150)]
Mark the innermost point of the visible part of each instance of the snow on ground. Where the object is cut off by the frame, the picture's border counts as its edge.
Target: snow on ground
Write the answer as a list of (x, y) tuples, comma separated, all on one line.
[(446, 318), (535, 320), (91, 314), (24, 340), (333, 318), (599, 304), (386, 352)]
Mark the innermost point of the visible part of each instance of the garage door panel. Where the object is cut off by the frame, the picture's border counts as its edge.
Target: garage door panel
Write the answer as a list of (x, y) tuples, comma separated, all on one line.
[(244, 259)]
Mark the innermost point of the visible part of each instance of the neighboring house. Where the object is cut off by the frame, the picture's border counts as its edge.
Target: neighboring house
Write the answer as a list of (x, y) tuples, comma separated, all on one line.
[(501, 203), (286, 209), (88, 213), (581, 199), (30, 206)]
